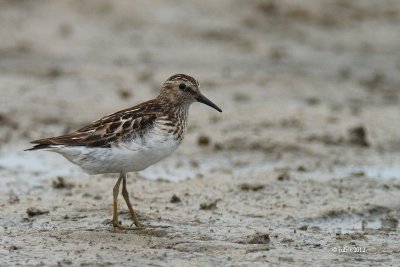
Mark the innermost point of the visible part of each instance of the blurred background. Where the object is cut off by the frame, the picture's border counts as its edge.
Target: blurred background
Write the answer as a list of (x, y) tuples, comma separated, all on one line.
[(309, 135)]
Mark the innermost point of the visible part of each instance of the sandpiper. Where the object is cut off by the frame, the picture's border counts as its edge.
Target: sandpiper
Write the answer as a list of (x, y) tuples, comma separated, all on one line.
[(132, 139)]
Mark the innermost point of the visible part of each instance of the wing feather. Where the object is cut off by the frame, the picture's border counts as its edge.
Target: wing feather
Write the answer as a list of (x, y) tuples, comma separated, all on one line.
[(121, 125)]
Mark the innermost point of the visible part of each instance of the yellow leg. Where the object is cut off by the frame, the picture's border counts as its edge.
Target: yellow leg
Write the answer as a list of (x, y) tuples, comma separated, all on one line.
[(125, 194), (115, 221)]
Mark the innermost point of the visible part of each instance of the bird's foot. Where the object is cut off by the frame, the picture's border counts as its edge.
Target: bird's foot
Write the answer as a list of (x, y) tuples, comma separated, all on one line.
[(119, 226), (138, 225)]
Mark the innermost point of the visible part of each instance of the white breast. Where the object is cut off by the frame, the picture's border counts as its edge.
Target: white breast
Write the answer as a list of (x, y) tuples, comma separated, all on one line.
[(133, 155)]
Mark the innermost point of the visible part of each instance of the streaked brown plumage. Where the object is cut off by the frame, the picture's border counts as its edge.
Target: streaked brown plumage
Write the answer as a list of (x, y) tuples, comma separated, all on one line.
[(110, 129)]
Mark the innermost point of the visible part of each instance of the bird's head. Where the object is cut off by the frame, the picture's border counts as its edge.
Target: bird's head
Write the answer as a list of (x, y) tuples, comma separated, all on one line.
[(181, 89)]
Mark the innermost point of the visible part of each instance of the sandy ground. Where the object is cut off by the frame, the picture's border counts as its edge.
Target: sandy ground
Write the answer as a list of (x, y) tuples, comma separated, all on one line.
[(301, 168)]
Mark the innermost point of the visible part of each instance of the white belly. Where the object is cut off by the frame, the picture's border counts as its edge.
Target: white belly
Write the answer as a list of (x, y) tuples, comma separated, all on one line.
[(135, 155)]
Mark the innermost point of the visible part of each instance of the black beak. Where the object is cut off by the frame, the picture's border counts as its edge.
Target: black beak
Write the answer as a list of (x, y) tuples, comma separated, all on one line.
[(202, 99)]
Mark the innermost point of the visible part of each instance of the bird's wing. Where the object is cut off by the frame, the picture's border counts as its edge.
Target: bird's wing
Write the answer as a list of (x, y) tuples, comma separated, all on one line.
[(128, 123)]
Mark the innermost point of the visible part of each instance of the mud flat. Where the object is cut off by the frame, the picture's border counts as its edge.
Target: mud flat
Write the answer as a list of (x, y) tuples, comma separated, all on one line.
[(302, 167)]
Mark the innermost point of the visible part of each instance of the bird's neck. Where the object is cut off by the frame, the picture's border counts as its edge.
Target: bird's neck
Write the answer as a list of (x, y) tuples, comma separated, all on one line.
[(177, 115), (176, 110)]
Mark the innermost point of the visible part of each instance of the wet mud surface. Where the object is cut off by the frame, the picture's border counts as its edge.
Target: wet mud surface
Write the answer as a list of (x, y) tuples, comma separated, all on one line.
[(301, 168)]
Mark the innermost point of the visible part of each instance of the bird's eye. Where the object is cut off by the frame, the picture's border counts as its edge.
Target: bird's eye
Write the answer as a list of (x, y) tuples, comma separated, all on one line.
[(182, 86)]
